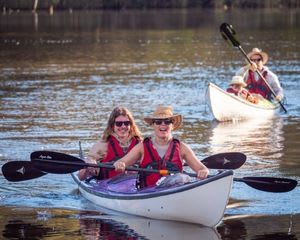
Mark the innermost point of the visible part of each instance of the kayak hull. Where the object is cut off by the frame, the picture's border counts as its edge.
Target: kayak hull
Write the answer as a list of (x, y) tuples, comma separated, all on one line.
[(228, 107), (201, 202)]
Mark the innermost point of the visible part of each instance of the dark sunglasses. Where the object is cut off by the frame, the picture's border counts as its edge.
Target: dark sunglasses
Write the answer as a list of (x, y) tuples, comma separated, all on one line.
[(256, 60), (160, 121), (120, 123)]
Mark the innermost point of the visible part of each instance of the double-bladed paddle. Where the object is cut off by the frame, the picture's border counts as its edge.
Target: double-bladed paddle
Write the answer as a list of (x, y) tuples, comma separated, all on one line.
[(54, 162), (229, 160), (228, 33), (15, 171)]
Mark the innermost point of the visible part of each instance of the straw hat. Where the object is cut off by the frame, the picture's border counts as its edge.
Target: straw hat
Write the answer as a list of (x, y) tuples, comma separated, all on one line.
[(238, 80), (256, 51), (163, 112)]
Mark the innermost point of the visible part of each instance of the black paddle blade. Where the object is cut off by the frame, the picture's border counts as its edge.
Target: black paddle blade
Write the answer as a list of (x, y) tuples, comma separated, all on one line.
[(53, 162), (269, 184), (229, 160), (16, 171), (227, 33)]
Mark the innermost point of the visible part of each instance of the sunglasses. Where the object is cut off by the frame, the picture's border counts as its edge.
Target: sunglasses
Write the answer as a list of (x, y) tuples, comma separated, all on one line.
[(120, 123), (160, 121), (256, 60)]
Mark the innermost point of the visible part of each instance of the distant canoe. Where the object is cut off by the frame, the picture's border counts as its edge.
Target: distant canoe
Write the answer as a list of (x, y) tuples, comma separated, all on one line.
[(228, 107)]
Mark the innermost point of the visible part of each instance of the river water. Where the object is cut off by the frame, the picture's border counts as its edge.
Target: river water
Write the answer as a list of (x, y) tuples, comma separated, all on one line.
[(61, 76)]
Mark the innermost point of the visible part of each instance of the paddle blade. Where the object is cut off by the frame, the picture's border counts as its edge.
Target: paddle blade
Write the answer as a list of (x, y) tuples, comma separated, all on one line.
[(55, 162), (16, 171), (269, 184), (229, 160), (228, 33)]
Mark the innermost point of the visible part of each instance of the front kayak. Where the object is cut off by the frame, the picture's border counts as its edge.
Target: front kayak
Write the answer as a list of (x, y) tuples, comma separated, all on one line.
[(201, 201), (228, 107)]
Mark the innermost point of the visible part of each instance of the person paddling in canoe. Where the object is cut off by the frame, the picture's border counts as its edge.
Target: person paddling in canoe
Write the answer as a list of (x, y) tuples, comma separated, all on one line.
[(161, 151), (255, 84), (119, 137), (237, 87)]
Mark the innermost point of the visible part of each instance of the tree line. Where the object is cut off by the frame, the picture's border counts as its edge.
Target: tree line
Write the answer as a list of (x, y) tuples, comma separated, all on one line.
[(36, 5)]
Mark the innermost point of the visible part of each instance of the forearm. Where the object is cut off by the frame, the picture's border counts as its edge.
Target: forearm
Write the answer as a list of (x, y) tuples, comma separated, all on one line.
[(275, 85), (130, 158), (193, 162), (89, 171)]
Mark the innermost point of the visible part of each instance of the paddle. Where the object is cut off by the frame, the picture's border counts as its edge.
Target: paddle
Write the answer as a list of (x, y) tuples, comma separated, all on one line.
[(54, 162), (267, 184), (228, 33), (13, 170), (16, 171), (24, 170), (80, 151), (229, 160)]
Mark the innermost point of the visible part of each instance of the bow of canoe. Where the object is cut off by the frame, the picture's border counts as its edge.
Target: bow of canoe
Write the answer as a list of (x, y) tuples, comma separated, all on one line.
[(228, 107)]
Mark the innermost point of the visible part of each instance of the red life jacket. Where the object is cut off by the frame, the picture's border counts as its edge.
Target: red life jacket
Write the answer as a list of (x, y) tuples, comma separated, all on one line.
[(171, 161), (258, 87), (244, 93), (114, 152)]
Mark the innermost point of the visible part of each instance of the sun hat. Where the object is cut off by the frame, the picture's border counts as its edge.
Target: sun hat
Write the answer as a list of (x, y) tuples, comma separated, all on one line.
[(238, 80), (257, 51), (163, 112)]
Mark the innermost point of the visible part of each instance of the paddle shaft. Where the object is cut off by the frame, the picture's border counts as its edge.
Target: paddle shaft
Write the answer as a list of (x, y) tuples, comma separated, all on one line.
[(227, 30), (16, 171), (81, 165), (228, 160), (266, 184), (24, 170)]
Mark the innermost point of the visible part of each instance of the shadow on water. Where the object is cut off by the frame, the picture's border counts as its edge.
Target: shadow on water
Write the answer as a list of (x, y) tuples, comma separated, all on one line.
[(45, 223)]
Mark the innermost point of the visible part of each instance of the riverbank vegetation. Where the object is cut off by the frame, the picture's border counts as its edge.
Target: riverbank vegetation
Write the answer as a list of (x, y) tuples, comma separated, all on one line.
[(35, 5)]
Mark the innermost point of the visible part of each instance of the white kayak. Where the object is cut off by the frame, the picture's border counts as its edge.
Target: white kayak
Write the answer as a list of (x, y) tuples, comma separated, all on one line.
[(201, 201), (228, 107)]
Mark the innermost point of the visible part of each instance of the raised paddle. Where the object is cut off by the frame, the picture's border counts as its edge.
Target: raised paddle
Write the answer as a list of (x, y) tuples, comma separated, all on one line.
[(71, 164), (228, 33)]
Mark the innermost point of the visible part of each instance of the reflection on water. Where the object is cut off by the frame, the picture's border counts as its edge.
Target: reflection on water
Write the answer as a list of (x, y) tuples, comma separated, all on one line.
[(145, 228), (284, 227), (45, 223), (262, 140), (20, 229)]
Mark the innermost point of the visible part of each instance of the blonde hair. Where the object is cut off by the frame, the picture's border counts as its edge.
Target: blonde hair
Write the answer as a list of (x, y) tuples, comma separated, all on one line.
[(116, 112)]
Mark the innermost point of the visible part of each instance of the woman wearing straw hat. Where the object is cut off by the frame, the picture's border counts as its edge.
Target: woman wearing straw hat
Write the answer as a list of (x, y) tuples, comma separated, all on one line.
[(237, 87), (255, 84), (162, 151)]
